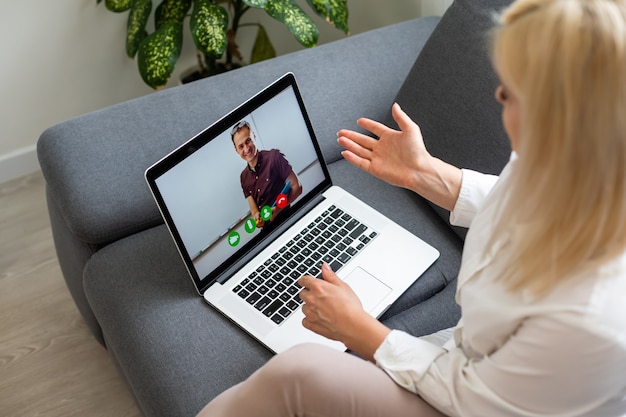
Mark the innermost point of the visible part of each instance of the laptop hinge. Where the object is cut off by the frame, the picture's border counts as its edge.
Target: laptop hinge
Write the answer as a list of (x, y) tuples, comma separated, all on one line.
[(303, 211)]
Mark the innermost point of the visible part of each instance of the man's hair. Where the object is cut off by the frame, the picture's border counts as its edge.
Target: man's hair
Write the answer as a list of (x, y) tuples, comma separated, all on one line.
[(240, 125), (565, 61)]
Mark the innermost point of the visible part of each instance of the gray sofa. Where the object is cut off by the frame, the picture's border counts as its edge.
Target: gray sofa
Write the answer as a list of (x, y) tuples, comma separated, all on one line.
[(121, 267)]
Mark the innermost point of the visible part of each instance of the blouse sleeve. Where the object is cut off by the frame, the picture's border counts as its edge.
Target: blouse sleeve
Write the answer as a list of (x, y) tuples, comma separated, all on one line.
[(474, 189), (533, 373)]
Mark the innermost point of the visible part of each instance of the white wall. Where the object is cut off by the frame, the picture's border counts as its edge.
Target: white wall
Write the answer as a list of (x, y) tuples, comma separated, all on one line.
[(63, 58)]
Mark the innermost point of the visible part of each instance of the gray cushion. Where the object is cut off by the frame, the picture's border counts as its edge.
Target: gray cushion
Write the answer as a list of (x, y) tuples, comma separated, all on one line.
[(449, 91)]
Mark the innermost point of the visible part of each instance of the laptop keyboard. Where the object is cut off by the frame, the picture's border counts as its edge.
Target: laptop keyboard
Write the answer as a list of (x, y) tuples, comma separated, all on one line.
[(334, 237)]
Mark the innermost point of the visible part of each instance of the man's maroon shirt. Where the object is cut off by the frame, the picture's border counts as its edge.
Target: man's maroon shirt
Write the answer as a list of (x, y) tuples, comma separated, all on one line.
[(268, 178)]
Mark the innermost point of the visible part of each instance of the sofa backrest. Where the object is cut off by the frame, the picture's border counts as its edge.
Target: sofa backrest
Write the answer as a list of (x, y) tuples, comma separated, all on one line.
[(94, 164), (449, 92)]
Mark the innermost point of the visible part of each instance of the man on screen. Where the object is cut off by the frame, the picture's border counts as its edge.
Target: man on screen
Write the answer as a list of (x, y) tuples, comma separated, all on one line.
[(267, 177)]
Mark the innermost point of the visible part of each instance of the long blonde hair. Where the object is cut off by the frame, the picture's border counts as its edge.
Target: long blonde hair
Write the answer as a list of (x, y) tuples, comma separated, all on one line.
[(566, 62)]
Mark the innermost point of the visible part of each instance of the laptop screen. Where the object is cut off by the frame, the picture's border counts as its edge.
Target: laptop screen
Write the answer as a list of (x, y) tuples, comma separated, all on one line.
[(224, 191)]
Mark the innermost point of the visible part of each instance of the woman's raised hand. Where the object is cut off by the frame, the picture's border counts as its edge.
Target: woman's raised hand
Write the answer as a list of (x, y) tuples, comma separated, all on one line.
[(399, 157)]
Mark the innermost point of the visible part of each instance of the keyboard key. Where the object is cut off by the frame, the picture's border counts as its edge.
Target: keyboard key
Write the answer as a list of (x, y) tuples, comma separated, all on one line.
[(344, 258), (335, 265), (272, 308), (262, 303), (277, 318), (352, 224), (357, 231), (253, 298), (335, 214)]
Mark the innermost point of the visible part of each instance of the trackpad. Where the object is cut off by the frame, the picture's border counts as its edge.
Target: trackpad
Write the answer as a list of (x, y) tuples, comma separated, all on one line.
[(369, 289)]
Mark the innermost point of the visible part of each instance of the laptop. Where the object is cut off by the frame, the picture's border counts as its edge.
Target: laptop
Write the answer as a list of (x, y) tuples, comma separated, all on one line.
[(251, 207)]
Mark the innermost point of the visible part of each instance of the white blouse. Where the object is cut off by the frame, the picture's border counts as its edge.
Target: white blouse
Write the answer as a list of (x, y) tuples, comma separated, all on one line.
[(513, 355)]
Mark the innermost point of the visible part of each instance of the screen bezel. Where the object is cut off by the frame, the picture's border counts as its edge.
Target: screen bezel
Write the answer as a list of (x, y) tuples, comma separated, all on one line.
[(260, 241)]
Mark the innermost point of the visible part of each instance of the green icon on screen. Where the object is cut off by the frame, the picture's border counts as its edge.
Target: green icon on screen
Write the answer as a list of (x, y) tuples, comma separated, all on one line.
[(233, 239), (250, 225), (266, 213)]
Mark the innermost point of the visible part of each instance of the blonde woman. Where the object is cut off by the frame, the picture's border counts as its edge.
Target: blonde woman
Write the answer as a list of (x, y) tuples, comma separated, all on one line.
[(542, 283)]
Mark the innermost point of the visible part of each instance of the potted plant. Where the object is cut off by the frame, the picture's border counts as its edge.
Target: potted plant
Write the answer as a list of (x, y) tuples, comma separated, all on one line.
[(213, 25)]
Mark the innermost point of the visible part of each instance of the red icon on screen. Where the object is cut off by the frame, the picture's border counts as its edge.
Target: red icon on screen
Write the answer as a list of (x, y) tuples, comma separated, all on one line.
[(281, 201)]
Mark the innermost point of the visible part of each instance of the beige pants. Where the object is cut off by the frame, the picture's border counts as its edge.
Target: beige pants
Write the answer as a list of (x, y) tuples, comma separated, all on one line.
[(315, 381)]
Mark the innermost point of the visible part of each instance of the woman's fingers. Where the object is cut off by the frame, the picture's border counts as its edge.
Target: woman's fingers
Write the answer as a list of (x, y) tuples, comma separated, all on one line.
[(357, 138), (358, 148), (373, 126)]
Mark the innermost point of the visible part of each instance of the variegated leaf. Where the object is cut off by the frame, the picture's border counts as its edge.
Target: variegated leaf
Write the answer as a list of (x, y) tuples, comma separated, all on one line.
[(158, 54), (334, 11), (259, 4), (298, 22), (118, 6), (171, 11), (263, 48), (208, 25), (137, 19)]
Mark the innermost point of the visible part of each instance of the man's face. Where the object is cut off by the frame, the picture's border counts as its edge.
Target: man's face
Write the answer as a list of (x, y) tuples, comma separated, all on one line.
[(244, 145)]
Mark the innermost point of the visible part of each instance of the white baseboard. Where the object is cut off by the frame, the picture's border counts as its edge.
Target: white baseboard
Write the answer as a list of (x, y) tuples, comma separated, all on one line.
[(18, 163)]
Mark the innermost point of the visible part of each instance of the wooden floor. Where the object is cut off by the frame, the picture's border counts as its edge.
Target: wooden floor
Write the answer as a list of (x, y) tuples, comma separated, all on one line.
[(50, 365)]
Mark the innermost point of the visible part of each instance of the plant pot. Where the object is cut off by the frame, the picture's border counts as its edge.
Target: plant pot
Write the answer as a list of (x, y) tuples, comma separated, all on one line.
[(197, 73)]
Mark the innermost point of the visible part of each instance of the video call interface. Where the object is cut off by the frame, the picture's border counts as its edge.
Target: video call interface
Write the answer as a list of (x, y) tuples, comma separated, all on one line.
[(207, 198)]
